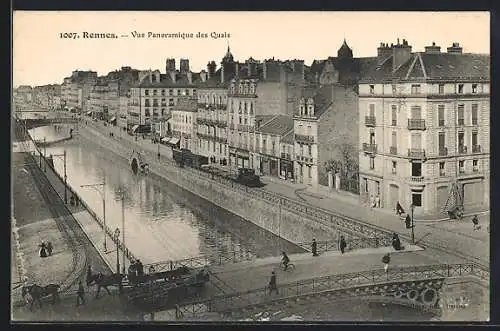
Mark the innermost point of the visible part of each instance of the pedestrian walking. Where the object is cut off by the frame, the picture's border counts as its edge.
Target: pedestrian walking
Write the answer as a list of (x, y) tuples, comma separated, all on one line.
[(140, 268), (89, 275), (272, 283), (43, 250), (49, 248), (385, 260), (342, 244), (80, 294), (475, 223), (314, 247)]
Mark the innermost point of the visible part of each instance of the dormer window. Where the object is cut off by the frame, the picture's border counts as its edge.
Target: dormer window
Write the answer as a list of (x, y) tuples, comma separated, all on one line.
[(310, 110), (241, 89), (474, 88), (372, 89), (302, 110), (415, 89), (460, 88)]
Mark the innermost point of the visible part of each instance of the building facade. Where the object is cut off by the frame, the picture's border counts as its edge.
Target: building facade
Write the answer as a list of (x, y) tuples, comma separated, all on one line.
[(424, 126), (184, 124), (75, 90), (325, 126)]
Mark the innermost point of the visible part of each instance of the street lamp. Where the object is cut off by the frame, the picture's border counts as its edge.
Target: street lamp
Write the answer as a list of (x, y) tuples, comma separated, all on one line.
[(65, 175), (412, 224), (117, 238), (103, 194), (122, 198), (45, 154)]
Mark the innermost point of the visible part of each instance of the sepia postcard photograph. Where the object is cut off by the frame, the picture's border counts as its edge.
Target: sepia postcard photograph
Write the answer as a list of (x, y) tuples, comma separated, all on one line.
[(173, 167)]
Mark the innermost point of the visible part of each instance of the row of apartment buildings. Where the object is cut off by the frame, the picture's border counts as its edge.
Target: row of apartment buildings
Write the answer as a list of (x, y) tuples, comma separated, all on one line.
[(415, 122)]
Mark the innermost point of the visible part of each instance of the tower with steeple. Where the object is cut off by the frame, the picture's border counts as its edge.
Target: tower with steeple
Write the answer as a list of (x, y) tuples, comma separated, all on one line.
[(344, 52), (228, 66)]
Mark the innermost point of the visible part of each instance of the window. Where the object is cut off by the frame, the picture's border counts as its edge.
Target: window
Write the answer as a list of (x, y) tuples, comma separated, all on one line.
[(460, 88), (372, 163), (186, 92), (309, 172), (416, 112), (154, 92), (146, 92), (441, 88), (461, 168), (178, 92), (441, 169), (251, 108), (372, 110), (273, 147), (440, 115), (416, 199), (394, 90), (474, 139), (394, 114), (239, 118), (474, 88), (416, 169), (372, 89), (171, 92), (394, 167), (441, 143), (309, 150), (394, 139), (475, 167), (474, 113), (246, 121), (460, 115), (163, 92), (415, 89)]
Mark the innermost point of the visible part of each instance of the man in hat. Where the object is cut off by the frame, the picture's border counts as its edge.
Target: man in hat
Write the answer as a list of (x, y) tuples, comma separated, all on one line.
[(272, 283)]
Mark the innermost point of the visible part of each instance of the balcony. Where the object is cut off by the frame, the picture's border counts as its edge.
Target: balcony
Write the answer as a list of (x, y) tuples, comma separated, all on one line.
[(370, 120), (304, 138), (462, 149), (476, 148), (416, 153), (417, 179), (305, 159), (370, 148), (393, 150), (443, 151), (286, 156), (231, 126), (474, 121), (461, 121), (416, 124)]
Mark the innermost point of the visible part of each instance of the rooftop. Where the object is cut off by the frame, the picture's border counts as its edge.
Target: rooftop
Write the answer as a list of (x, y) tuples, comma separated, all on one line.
[(277, 125)]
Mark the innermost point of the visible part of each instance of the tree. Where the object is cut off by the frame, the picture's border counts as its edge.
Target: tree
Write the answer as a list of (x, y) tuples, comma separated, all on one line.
[(334, 166)]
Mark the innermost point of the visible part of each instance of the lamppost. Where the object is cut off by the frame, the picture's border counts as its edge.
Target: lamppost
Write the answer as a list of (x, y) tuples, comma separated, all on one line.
[(412, 225), (117, 238), (103, 194), (65, 175), (158, 143), (45, 154), (122, 198)]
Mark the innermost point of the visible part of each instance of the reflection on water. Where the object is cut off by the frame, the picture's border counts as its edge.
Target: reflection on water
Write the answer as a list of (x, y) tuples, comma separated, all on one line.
[(162, 222)]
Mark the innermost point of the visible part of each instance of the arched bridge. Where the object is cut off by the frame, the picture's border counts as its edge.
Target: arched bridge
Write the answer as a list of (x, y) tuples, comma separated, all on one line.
[(31, 123)]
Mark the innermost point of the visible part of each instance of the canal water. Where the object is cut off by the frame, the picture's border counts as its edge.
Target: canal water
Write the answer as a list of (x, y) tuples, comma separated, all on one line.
[(162, 221)]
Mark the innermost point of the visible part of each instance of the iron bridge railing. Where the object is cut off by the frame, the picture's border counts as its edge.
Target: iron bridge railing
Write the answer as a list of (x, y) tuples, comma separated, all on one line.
[(340, 281)]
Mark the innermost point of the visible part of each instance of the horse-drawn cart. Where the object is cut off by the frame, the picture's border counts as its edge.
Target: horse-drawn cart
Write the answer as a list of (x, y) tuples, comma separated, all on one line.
[(155, 291)]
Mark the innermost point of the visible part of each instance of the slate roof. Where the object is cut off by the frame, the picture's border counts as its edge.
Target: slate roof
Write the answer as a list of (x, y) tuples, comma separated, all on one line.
[(350, 70), (426, 66), (288, 138), (278, 125), (181, 80)]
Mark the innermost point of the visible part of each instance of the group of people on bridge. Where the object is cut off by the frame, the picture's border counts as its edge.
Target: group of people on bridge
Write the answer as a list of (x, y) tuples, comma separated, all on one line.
[(136, 268)]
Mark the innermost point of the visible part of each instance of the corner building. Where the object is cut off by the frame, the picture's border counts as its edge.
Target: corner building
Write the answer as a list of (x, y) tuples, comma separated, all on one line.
[(423, 126)]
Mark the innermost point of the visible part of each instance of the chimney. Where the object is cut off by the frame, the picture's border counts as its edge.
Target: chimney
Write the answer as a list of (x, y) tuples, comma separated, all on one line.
[(236, 69), (454, 49), (184, 66), (189, 75), (157, 75), (203, 75), (264, 69), (383, 52), (173, 75), (433, 49), (170, 65), (222, 74), (211, 66), (400, 54), (150, 75)]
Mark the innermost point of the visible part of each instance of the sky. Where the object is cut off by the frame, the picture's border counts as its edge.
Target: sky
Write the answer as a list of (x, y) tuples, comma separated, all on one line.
[(42, 56)]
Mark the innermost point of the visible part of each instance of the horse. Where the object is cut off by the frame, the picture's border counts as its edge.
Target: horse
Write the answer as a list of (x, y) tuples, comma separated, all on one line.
[(104, 281), (32, 293)]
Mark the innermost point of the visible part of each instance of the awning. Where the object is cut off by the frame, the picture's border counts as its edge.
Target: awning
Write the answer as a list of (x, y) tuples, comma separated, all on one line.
[(174, 141), (165, 139), (135, 127)]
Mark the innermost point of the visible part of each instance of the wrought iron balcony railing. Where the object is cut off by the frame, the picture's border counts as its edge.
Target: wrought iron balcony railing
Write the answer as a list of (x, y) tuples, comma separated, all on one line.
[(416, 153), (416, 124), (370, 120), (304, 138), (462, 149), (476, 148), (443, 151), (370, 148), (393, 150)]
